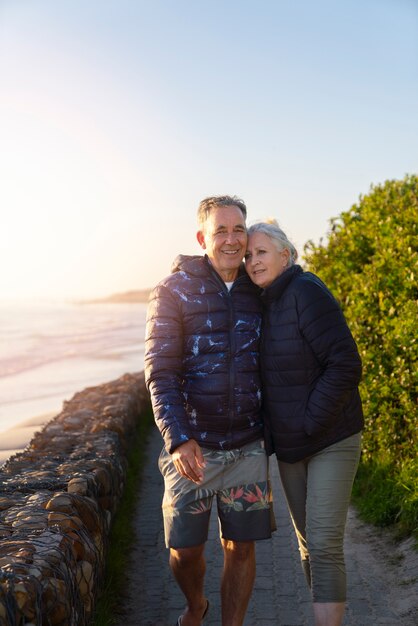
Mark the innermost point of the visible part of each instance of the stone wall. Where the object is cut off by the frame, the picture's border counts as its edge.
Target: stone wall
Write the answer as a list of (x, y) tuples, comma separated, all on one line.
[(57, 501)]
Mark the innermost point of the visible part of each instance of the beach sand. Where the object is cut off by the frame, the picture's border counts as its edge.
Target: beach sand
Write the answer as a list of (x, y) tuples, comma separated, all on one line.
[(15, 439)]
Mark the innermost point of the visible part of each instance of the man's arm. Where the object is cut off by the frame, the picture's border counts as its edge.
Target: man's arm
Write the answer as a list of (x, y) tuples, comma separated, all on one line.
[(163, 376), (164, 367)]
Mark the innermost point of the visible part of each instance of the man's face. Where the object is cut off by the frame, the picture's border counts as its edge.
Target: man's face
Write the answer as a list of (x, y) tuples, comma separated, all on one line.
[(224, 238)]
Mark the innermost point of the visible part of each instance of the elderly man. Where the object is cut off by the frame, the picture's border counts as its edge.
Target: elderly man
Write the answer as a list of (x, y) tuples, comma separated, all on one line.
[(201, 367)]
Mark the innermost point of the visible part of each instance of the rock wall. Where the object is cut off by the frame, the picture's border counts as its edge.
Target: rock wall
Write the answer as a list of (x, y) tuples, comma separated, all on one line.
[(57, 501)]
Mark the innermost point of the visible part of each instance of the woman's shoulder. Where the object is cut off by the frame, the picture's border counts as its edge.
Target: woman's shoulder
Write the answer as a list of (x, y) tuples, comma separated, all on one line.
[(313, 295), (308, 282)]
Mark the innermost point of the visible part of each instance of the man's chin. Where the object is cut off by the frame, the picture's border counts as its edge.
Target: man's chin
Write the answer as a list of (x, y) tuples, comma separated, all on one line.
[(233, 263)]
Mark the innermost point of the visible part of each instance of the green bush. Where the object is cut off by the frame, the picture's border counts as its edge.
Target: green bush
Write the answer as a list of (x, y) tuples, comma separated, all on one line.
[(370, 263)]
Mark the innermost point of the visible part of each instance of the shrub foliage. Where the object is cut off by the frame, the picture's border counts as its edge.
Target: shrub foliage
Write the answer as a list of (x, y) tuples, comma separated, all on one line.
[(369, 262)]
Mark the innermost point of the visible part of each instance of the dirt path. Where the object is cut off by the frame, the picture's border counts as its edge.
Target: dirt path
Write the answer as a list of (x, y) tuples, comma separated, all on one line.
[(390, 568), (382, 575)]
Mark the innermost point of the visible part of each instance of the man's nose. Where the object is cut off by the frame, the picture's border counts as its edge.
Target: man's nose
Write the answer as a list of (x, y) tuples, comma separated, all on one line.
[(231, 237)]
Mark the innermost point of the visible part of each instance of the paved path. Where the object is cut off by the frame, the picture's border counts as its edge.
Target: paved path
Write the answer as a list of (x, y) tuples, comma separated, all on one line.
[(379, 587)]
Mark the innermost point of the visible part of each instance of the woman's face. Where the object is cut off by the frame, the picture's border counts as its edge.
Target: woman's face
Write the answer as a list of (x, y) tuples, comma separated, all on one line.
[(263, 261)]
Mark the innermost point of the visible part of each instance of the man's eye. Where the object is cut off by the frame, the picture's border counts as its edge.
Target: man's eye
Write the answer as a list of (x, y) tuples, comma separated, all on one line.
[(247, 256)]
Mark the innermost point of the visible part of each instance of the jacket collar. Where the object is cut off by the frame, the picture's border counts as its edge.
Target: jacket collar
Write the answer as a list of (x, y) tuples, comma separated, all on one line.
[(280, 284), (200, 266)]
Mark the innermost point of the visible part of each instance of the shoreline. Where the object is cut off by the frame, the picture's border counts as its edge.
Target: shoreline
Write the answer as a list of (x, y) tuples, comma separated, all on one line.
[(16, 438)]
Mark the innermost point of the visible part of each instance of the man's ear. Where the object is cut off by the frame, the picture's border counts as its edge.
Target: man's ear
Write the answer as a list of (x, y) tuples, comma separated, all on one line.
[(201, 238)]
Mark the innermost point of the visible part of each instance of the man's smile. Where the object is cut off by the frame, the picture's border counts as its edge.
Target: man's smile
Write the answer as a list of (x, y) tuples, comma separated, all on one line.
[(230, 251)]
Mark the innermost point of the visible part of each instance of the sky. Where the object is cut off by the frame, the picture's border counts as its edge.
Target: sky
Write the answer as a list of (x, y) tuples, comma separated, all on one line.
[(118, 116)]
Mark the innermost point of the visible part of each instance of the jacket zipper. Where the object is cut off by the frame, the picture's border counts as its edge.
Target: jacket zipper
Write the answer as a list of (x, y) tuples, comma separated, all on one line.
[(232, 347)]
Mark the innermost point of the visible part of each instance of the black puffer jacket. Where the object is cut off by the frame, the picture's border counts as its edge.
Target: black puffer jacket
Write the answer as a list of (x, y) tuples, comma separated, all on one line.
[(310, 366), (201, 357)]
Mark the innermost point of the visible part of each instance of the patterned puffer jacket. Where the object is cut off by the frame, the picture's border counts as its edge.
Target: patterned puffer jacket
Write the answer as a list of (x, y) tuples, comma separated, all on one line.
[(201, 357)]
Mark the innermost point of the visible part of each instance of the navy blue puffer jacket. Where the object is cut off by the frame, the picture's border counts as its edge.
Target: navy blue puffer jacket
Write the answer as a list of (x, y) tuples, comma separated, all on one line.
[(310, 367), (202, 357)]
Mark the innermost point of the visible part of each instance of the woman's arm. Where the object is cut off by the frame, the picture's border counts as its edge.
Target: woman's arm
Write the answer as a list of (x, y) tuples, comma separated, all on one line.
[(325, 329)]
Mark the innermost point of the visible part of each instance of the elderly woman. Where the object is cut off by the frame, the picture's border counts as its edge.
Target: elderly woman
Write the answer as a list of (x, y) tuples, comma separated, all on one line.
[(313, 415)]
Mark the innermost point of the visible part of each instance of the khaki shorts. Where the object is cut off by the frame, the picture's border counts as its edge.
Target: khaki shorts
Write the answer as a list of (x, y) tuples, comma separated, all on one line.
[(239, 480)]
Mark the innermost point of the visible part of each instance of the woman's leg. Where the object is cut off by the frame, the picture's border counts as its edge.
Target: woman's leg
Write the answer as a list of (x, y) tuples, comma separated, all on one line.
[(328, 613), (294, 477), (320, 521), (330, 479)]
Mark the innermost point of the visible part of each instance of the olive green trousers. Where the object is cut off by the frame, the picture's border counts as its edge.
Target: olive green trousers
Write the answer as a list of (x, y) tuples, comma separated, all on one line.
[(318, 491)]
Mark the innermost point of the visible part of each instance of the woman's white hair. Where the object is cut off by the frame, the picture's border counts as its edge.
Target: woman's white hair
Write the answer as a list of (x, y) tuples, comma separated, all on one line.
[(271, 228)]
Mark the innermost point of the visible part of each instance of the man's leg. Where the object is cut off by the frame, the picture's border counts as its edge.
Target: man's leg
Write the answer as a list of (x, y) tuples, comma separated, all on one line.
[(188, 566), (245, 516), (237, 580)]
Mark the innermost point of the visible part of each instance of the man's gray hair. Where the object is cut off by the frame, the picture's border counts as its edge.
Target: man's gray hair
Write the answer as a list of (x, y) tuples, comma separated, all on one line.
[(271, 228), (206, 206)]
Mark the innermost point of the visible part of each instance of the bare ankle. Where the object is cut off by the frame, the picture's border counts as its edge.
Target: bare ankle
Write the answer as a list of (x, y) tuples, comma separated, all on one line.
[(194, 613)]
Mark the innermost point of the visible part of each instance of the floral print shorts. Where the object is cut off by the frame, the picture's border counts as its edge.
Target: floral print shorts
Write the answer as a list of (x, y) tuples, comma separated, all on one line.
[(238, 479)]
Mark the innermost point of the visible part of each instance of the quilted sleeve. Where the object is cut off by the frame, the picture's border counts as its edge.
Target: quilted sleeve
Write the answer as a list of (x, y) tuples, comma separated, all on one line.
[(164, 365), (324, 327)]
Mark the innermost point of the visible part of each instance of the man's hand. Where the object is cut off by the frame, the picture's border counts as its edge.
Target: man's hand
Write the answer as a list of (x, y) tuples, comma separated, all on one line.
[(188, 461)]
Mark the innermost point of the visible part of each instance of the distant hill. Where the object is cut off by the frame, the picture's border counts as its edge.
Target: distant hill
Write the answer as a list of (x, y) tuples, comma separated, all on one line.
[(140, 295)]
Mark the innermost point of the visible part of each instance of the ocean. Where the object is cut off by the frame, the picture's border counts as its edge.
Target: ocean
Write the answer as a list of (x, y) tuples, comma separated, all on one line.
[(51, 350)]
